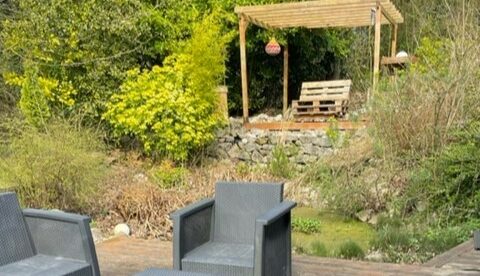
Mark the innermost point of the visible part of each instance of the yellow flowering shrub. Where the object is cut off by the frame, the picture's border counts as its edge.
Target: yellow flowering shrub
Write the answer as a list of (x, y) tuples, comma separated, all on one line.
[(172, 109)]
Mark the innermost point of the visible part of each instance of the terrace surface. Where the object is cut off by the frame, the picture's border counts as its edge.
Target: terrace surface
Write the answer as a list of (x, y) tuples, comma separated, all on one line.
[(125, 256)]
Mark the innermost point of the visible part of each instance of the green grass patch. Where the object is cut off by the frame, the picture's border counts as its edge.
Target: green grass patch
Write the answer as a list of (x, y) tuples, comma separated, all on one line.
[(350, 250), (336, 230)]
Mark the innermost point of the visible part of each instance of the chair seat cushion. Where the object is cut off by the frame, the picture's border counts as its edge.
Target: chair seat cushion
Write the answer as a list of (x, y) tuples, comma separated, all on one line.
[(40, 265), (220, 258)]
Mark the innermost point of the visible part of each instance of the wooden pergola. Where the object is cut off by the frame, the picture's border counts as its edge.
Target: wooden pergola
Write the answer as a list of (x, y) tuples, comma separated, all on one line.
[(316, 15)]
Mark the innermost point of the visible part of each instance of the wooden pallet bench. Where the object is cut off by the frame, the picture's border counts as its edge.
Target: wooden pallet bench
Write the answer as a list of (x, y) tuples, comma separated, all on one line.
[(322, 98)]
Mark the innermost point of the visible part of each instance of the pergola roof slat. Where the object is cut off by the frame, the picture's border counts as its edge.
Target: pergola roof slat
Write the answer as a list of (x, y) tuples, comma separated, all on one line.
[(317, 23), (320, 13)]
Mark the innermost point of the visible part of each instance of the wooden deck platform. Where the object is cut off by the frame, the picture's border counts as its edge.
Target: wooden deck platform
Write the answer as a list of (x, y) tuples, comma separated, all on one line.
[(461, 258), (292, 126), (125, 256)]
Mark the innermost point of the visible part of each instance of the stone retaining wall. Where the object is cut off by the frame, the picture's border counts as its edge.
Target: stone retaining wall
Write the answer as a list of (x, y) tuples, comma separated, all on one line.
[(256, 146)]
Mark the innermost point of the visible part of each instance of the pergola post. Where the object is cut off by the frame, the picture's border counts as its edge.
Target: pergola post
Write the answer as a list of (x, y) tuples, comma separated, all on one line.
[(376, 52), (285, 80), (393, 51), (243, 61)]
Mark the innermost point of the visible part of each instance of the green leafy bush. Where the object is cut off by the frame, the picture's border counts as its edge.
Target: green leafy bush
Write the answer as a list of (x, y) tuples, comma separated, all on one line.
[(58, 167), (172, 109), (167, 175), (333, 132), (306, 225), (350, 250), (417, 242), (33, 101), (448, 184), (393, 236), (280, 165)]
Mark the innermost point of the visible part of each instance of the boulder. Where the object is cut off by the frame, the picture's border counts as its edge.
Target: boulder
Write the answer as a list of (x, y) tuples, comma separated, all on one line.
[(121, 229), (262, 140), (364, 215), (375, 256), (257, 157)]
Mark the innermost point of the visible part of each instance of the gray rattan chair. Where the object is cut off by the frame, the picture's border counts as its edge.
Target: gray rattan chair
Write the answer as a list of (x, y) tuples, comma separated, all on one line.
[(244, 230), (38, 242)]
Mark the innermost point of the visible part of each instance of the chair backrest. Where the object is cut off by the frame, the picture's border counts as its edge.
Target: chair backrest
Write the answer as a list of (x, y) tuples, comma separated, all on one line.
[(237, 205), (15, 242), (326, 90)]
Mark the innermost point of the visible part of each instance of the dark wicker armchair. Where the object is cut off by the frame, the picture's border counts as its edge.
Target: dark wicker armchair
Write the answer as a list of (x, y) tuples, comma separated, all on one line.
[(244, 230), (38, 242)]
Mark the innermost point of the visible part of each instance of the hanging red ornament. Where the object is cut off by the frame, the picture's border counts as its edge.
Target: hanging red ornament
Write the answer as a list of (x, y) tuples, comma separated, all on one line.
[(273, 48)]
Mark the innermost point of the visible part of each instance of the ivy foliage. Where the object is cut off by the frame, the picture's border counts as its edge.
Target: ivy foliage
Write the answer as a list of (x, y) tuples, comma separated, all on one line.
[(172, 109)]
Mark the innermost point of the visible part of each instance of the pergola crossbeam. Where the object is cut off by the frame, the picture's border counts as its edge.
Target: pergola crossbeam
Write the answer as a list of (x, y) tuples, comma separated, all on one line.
[(362, 8), (312, 22), (259, 22), (302, 11), (387, 15)]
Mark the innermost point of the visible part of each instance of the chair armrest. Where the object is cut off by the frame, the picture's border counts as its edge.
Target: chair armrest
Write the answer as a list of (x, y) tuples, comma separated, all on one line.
[(192, 227), (193, 208), (60, 234), (273, 241), (275, 213)]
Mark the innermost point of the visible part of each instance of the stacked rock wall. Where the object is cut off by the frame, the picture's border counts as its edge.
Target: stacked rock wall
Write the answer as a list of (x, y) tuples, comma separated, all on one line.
[(256, 146)]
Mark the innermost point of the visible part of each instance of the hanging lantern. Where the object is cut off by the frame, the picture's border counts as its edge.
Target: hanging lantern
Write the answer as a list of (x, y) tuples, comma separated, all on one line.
[(273, 48)]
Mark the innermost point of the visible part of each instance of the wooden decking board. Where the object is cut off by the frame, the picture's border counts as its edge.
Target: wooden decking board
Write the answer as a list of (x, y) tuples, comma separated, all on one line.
[(339, 266), (454, 253), (125, 256)]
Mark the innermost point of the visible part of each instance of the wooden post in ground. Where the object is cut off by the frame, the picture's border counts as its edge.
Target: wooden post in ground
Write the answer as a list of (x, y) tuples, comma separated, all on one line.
[(376, 52), (393, 51), (285, 80), (243, 62)]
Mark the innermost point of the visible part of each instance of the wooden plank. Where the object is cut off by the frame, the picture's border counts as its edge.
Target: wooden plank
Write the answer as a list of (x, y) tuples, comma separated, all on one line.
[(376, 52), (343, 125), (316, 107), (285, 79), (243, 61), (397, 60), (387, 15), (334, 83), (330, 266), (126, 256), (325, 90), (324, 98), (393, 49), (314, 7), (318, 14), (258, 22), (317, 103), (358, 10), (318, 19), (296, 5), (316, 115), (451, 255), (363, 23)]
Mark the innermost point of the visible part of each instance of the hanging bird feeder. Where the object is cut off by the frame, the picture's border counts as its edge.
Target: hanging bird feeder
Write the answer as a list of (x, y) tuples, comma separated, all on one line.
[(273, 48)]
